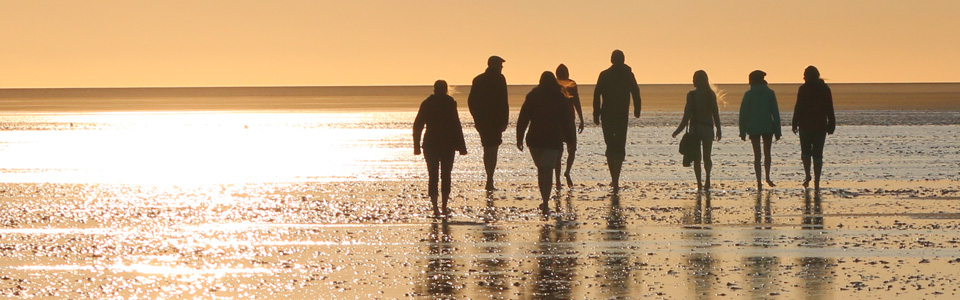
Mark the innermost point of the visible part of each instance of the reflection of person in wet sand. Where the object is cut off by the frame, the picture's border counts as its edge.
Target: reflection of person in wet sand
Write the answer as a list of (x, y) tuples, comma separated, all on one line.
[(813, 119), (549, 127), (490, 111), (702, 114), (556, 269), (440, 279), (616, 259), (569, 88), (815, 269), (763, 279), (444, 137), (760, 119), (611, 108), (700, 262)]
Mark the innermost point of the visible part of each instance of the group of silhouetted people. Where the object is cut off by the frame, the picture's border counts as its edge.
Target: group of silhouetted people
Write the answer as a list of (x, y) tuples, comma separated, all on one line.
[(547, 121)]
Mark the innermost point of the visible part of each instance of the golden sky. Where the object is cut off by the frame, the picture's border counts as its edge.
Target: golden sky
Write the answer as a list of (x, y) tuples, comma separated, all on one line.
[(123, 43)]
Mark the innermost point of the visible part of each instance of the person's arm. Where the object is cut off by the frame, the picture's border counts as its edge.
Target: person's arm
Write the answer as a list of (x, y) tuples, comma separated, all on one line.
[(597, 104), (775, 111), (473, 100), (418, 124), (831, 119), (576, 104), (461, 143), (716, 118), (522, 121), (503, 104), (687, 112), (635, 91), (742, 122), (795, 123)]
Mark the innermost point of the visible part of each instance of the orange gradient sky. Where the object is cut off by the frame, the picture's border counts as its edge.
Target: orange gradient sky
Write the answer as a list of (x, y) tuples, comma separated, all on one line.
[(122, 43)]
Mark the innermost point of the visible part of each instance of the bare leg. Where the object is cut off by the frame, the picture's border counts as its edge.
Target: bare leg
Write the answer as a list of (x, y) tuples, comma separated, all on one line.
[(571, 154), (756, 161), (558, 164), (767, 157), (806, 170), (615, 166), (696, 173), (707, 162), (490, 164), (817, 168)]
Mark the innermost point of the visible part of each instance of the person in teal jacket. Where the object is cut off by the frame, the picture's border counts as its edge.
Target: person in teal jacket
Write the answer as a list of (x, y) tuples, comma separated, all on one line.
[(760, 119)]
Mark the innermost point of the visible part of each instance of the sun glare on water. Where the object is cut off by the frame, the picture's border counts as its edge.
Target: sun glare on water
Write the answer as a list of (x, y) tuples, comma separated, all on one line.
[(193, 148)]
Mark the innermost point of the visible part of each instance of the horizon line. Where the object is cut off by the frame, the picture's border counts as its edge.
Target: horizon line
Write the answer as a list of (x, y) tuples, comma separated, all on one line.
[(418, 85)]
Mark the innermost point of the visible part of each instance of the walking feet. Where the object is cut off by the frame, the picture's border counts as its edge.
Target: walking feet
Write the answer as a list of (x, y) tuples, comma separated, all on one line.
[(489, 186), (569, 181), (806, 182), (770, 183)]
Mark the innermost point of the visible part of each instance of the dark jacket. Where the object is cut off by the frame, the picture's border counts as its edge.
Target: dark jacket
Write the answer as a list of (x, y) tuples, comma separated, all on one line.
[(701, 110), (548, 115), (439, 114), (814, 109), (759, 113), (488, 102), (611, 97)]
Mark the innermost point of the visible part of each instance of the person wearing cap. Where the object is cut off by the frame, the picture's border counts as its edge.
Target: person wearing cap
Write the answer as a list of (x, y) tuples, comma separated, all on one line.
[(444, 137), (813, 119), (491, 111), (760, 119), (611, 108)]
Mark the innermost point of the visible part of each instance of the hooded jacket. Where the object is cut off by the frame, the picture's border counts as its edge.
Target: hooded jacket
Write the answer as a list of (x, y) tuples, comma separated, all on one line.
[(814, 109), (759, 113), (444, 132)]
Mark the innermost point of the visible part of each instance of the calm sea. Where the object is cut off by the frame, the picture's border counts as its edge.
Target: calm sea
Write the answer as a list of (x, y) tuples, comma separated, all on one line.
[(319, 134)]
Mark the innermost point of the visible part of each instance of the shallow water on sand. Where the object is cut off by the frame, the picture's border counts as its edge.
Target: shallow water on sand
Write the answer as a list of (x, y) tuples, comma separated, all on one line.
[(243, 205)]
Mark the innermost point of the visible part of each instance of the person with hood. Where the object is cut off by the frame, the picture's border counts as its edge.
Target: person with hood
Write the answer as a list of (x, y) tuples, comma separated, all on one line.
[(760, 119), (813, 119), (444, 137), (611, 104), (549, 126), (702, 114), (572, 101), (488, 106)]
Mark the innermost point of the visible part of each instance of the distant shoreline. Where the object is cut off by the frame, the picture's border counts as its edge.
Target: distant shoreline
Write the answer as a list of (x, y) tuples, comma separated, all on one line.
[(656, 97)]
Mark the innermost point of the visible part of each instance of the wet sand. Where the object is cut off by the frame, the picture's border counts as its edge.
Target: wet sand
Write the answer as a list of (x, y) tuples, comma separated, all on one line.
[(858, 239)]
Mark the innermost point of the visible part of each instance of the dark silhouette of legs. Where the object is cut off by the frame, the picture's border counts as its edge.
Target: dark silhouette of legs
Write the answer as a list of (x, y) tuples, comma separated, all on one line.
[(446, 167), (767, 157), (767, 143), (544, 159), (707, 162), (571, 154), (811, 148), (615, 136), (490, 164), (558, 163), (433, 171)]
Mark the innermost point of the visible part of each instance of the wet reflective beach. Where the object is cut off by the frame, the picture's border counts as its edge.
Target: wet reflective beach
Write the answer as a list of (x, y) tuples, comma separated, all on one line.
[(245, 206)]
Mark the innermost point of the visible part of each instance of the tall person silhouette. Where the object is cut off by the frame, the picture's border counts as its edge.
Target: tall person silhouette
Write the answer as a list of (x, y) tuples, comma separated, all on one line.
[(444, 137), (702, 115), (611, 107), (491, 111), (813, 119), (760, 119), (550, 125), (572, 101)]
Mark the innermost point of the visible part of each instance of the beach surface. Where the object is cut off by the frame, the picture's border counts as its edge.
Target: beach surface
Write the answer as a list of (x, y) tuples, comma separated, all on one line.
[(235, 203)]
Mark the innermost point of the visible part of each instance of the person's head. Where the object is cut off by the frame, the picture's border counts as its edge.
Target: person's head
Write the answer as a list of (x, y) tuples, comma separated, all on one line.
[(495, 63), (617, 57), (548, 80), (756, 77), (562, 72), (811, 74), (700, 80), (440, 87)]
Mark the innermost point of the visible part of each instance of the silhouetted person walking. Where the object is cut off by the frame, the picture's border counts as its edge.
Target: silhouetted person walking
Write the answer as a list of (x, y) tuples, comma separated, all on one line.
[(760, 119), (813, 118), (611, 107), (490, 111), (444, 137), (549, 126), (569, 88), (702, 115)]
